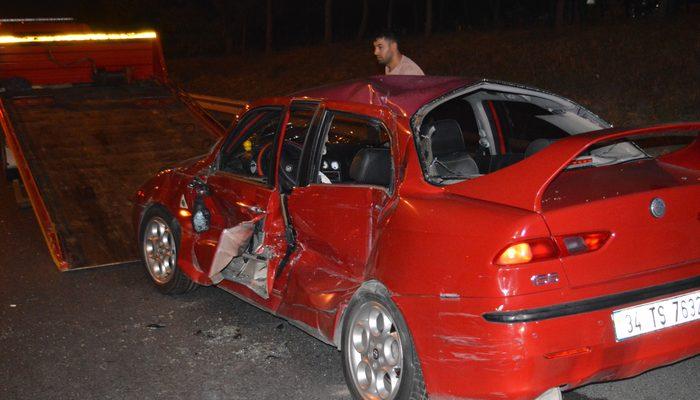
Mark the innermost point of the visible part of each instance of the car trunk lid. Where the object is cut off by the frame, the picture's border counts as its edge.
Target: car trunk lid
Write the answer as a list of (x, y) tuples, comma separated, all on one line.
[(650, 208)]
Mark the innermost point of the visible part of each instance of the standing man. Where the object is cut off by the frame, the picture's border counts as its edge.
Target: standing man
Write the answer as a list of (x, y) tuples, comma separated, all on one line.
[(386, 49)]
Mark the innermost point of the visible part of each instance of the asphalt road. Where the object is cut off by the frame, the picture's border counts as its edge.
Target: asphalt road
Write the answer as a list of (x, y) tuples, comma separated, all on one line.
[(108, 334)]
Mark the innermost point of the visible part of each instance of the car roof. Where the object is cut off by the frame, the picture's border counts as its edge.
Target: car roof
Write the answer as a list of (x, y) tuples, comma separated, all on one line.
[(405, 94)]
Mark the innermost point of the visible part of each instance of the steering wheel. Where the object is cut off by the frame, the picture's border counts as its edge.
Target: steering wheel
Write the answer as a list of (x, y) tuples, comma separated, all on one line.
[(263, 158), (289, 163)]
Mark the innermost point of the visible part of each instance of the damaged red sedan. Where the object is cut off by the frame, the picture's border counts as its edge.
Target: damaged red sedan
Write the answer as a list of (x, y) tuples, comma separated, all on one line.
[(454, 238)]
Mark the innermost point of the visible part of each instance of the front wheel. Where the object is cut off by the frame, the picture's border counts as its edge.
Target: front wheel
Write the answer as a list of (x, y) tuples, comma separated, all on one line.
[(160, 240), (379, 359)]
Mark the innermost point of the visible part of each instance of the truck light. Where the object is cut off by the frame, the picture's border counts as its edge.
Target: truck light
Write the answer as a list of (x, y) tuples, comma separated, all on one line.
[(77, 37)]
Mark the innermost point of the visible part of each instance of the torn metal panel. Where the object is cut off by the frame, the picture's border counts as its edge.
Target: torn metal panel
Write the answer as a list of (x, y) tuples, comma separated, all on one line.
[(249, 262), (230, 245)]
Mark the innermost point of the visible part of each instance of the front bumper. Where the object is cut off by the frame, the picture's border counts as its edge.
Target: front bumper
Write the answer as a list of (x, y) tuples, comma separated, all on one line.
[(465, 356)]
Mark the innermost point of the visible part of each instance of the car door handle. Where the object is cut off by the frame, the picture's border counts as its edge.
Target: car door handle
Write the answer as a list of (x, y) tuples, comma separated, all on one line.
[(252, 209)]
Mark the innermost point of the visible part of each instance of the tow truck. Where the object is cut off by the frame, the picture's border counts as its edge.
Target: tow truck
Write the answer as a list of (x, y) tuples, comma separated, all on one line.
[(87, 117)]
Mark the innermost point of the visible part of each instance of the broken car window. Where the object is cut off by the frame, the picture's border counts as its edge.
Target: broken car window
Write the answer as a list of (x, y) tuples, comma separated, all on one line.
[(481, 132), (356, 151), (301, 119), (252, 154), (521, 123)]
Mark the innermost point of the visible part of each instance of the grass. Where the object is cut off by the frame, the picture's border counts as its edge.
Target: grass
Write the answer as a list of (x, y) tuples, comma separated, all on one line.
[(631, 73)]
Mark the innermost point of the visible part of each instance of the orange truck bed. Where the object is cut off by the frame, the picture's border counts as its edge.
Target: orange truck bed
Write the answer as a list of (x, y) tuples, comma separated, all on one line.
[(87, 118)]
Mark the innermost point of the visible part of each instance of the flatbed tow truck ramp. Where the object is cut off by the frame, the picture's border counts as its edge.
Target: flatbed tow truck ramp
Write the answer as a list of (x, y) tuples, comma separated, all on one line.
[(88, 118)]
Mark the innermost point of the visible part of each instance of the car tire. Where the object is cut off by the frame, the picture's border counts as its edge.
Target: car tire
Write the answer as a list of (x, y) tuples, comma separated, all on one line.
[(159, 241), (378, 355)]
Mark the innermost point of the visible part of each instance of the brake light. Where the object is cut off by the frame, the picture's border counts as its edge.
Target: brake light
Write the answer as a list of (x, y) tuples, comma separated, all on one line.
[(527, 251), (534, 250)]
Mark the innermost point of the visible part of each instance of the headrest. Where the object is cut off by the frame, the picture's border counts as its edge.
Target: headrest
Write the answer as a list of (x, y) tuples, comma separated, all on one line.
[(537, 145), (446, 137), (372, 166)]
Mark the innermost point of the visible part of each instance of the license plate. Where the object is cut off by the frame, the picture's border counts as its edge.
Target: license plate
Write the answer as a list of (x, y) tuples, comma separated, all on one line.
[(657, 315)]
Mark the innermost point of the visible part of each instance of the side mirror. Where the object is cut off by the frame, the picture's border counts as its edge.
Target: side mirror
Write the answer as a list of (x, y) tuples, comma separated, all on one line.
[(201, 216)]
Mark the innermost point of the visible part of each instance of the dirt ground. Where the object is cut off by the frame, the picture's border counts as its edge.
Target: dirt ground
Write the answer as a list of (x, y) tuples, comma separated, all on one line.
[(631, 73)]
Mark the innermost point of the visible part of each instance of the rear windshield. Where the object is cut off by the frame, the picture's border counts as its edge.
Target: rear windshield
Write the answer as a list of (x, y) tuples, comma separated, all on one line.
[(484, 131), (633, 148)]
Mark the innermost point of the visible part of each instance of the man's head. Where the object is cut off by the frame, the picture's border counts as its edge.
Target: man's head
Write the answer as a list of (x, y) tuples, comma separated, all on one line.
[(386, 47)]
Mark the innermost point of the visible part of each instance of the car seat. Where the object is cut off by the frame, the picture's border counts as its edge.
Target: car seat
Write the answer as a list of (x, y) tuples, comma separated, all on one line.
[(449, 148)]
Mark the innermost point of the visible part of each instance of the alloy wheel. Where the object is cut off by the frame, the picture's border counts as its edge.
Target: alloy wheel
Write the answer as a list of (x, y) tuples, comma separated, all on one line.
[(374, 352), (159, 250)]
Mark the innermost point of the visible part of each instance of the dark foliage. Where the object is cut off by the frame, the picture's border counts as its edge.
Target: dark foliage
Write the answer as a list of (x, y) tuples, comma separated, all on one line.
[(210, 27)]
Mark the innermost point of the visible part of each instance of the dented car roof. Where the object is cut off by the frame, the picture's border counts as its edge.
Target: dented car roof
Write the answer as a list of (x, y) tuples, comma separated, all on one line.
[(405, 94)]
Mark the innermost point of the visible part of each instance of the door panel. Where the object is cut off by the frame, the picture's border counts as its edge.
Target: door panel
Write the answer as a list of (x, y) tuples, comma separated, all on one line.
[(232, 203), (250, 233), (335, 221), (243, 237), (335, 217), (335, 227)]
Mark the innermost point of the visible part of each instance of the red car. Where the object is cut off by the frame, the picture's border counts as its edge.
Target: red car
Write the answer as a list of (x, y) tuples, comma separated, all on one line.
[(454, 238)]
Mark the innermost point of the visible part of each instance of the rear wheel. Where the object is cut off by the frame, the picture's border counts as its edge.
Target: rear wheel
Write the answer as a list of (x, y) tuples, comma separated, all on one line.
[(379, 359), (160, 240)]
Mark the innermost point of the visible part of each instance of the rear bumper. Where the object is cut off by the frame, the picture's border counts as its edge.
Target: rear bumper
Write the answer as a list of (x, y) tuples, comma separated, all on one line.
[(594, 304), (465, 356)]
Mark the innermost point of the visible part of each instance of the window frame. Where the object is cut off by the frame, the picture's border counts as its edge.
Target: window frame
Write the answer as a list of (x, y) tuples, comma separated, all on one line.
[(416, 120), (308, 146), (235, 139), (322, 135)]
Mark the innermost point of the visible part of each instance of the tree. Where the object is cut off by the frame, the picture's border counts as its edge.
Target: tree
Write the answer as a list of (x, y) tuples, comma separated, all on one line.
[(496, 12), (363, 21), (242, 11), (390, 14), (268, 29), (559, 13), (428, 17), (328, 25), (225, 15), (442, 14)]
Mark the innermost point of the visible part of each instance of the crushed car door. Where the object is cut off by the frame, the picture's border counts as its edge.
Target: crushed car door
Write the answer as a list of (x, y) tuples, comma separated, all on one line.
[(335, 215), (236, 208)]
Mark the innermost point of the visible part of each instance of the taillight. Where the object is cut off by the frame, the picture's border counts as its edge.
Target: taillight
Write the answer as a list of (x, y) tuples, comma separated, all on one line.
[(541, 249), (582, 242), (527, 251)]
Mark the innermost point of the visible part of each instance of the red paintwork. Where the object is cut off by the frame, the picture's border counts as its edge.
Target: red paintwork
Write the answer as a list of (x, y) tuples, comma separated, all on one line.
[(433, 249), (396, 93)]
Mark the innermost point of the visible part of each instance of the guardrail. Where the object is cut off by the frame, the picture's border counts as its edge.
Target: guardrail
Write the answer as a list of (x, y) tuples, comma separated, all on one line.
[(219, 104)]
